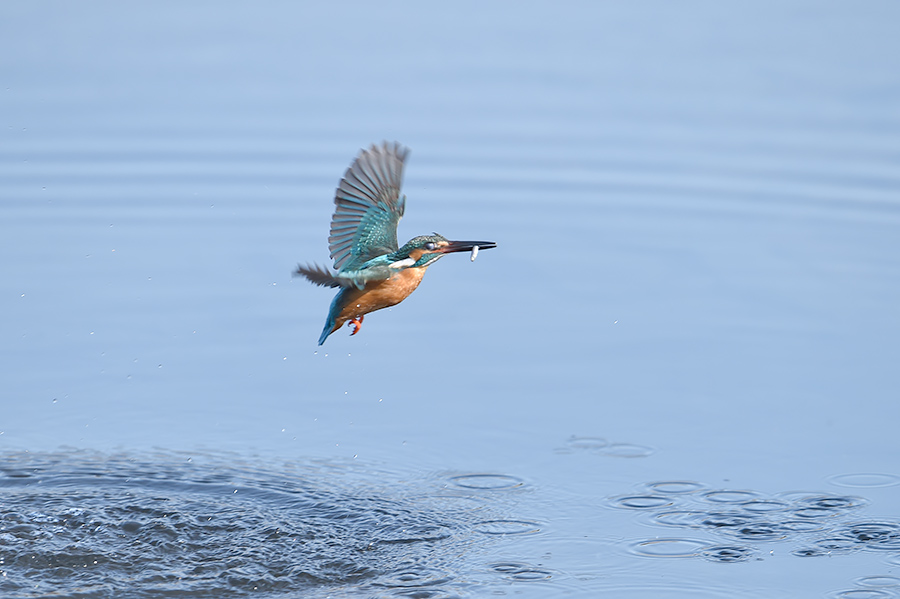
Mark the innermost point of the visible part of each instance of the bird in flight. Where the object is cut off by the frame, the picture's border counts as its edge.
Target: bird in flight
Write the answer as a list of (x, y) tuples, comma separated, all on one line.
[(370, 268)]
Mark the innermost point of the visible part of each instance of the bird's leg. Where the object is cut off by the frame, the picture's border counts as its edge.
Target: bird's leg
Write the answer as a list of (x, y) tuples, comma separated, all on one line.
[(356, 323)]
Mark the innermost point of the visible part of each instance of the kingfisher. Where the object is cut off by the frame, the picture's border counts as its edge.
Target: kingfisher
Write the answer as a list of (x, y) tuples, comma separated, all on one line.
[(370, 268)]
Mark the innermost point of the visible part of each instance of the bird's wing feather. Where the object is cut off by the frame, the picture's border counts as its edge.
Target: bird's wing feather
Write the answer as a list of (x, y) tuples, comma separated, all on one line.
[(368, 207)]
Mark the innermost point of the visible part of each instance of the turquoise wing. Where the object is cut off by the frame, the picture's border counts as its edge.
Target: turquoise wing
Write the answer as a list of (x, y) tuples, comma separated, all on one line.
[(368, 207)]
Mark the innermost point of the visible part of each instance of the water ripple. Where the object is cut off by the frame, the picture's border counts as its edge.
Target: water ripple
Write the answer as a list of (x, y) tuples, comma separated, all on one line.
[(587, 442), (521, 571), (878, 581), (627, 450), (727, 554), (819, 523), (669, 548), (641, 502), (508, 527), (84, 524), (861, 594), (865, 479), (486, 481), (730, 496), (601, 446), (879, 535), (675, 487)]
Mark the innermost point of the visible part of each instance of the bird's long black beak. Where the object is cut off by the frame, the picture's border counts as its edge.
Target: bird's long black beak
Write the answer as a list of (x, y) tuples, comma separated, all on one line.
[(466, 246)]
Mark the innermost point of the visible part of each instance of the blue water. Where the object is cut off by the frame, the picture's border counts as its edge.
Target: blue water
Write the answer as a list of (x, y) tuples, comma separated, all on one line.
[(675, 377)]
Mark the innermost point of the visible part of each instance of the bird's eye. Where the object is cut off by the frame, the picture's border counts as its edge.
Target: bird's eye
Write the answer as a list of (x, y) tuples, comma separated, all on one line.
[(430, 245)]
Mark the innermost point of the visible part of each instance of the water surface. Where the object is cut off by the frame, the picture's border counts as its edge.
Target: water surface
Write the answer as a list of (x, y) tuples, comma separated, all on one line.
[(685, 339)]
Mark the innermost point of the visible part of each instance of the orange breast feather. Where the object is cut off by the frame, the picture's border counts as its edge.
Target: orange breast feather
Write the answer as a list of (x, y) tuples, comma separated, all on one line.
[(382, 294)]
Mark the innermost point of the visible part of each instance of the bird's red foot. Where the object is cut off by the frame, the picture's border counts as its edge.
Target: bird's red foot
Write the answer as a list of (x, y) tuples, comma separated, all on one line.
[(356, 323)]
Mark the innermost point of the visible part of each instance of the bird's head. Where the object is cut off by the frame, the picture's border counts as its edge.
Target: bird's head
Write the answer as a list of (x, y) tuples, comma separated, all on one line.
[(425, 250)]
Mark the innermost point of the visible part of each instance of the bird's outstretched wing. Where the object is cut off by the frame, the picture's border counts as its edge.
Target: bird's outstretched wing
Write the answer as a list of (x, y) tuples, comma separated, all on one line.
[(368, 207)]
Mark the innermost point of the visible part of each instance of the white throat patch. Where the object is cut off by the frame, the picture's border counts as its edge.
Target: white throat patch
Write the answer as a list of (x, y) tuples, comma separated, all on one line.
[(402, 263)]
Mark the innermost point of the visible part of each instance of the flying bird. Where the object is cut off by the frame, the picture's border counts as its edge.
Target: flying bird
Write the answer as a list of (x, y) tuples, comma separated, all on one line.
[(370, 268)]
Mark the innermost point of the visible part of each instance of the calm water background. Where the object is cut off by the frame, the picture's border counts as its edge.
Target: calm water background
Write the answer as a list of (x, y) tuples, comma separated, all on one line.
[(697, 207)]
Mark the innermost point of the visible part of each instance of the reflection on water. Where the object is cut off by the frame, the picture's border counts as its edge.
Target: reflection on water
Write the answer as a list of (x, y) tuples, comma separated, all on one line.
[(84, 524)]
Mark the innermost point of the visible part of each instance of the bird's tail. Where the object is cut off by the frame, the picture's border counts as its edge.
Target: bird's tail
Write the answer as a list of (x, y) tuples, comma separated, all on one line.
[(329, 326), (320, 275), (336, 304)]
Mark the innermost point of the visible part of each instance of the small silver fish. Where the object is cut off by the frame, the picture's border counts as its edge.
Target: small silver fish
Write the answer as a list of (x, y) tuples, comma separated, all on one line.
[(474, 253)]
